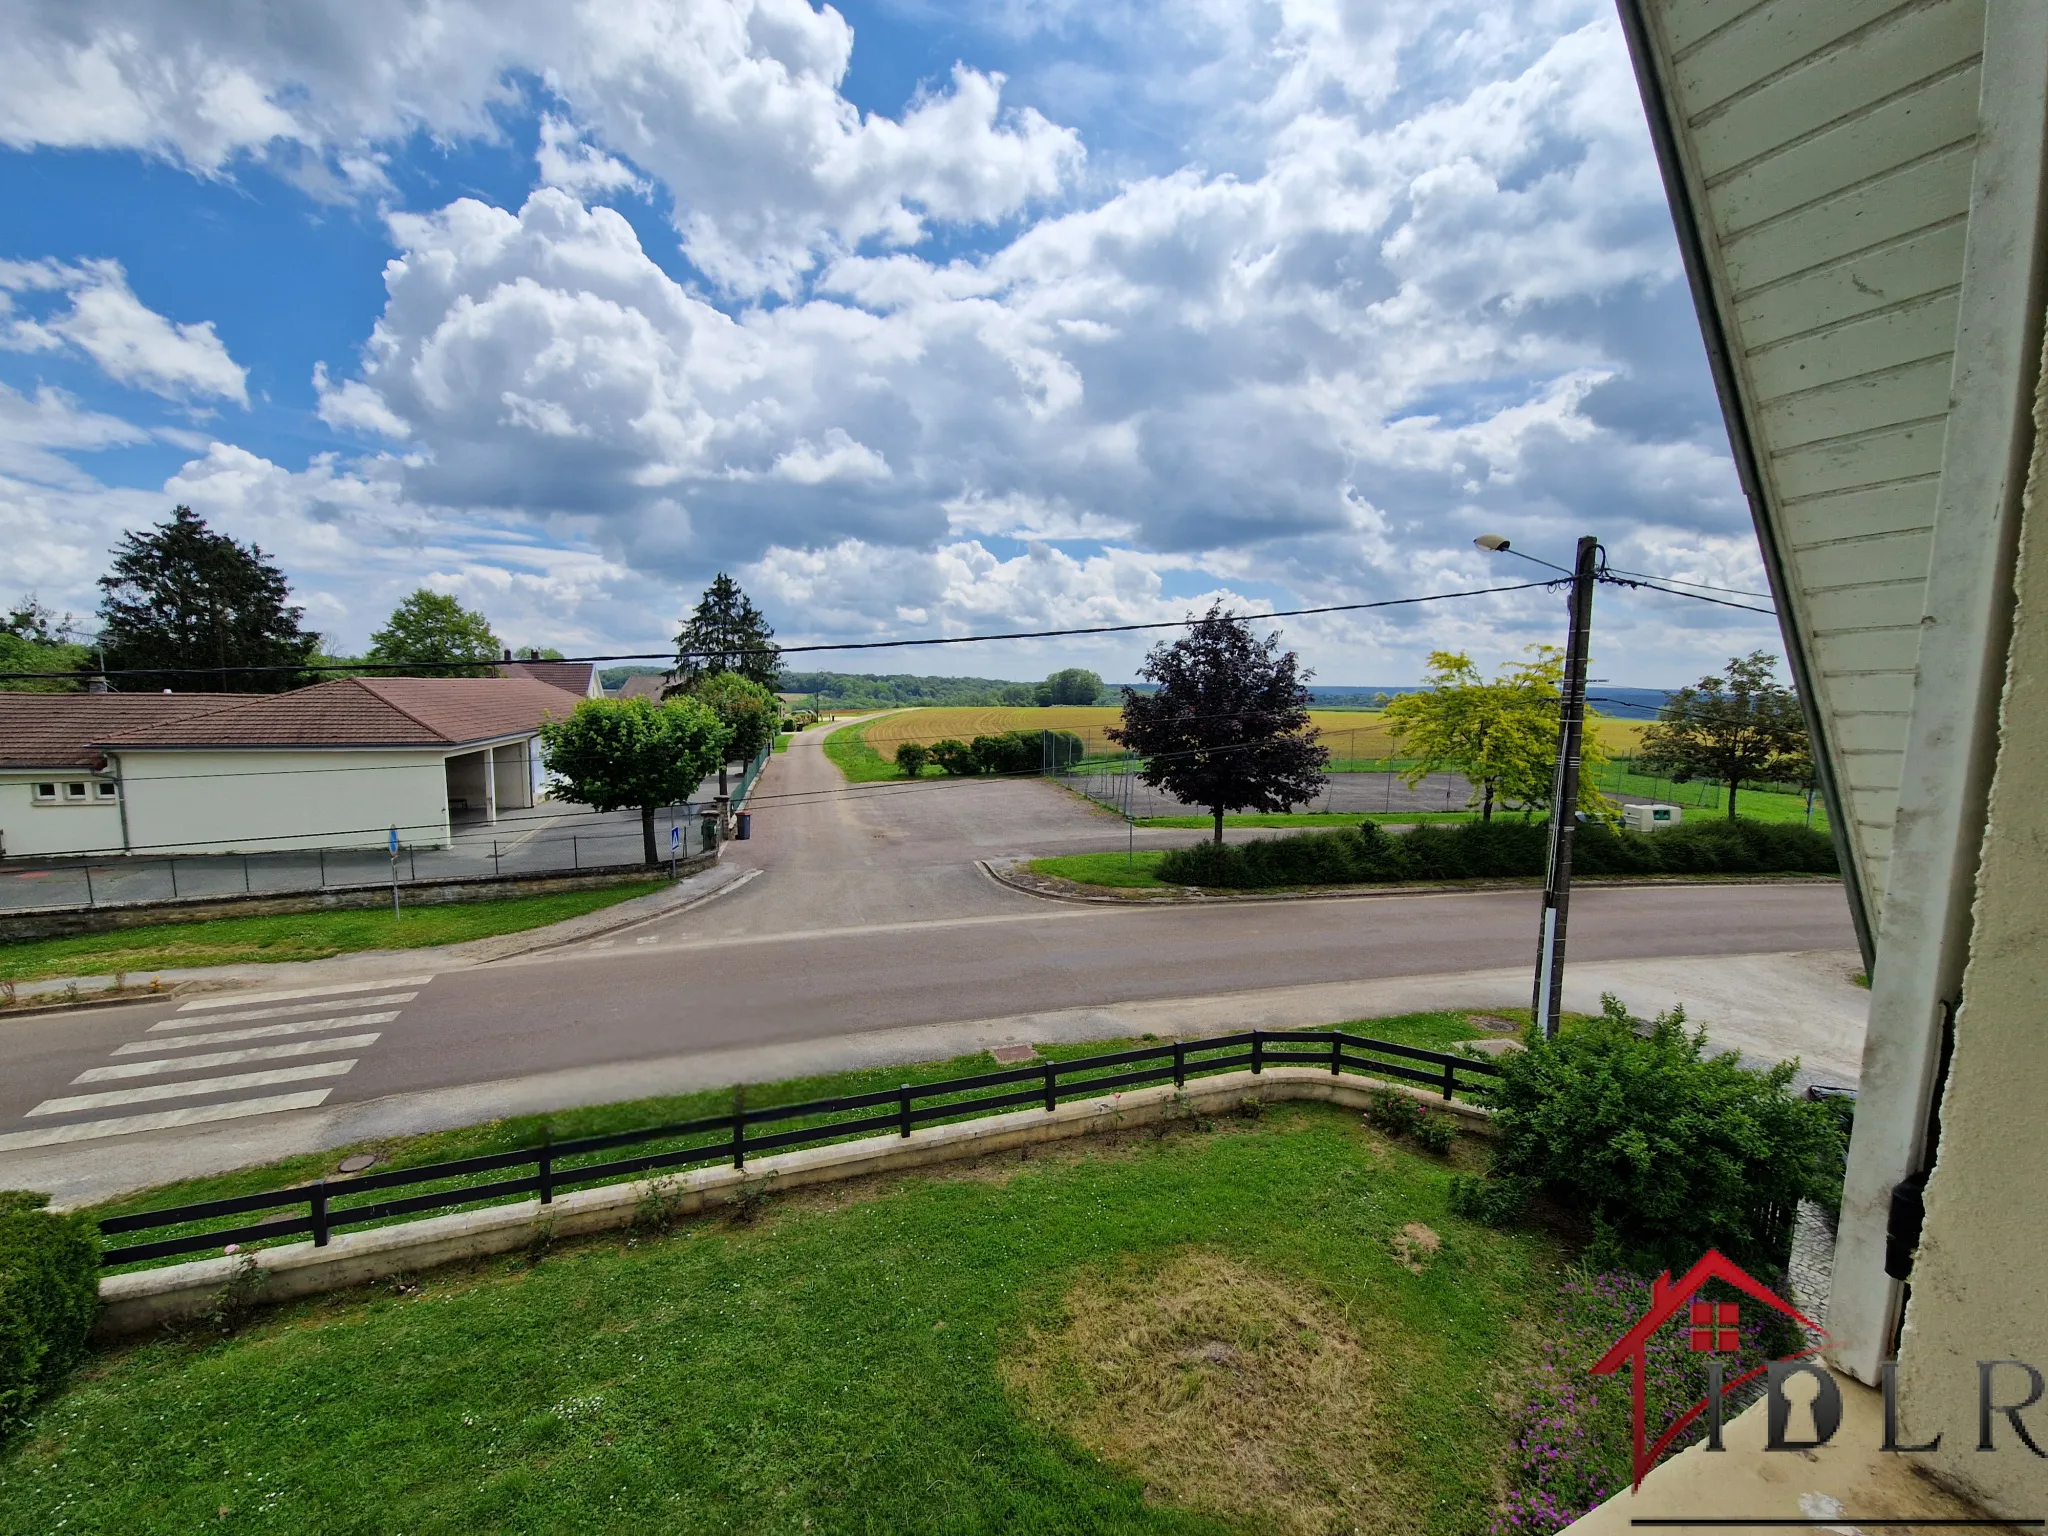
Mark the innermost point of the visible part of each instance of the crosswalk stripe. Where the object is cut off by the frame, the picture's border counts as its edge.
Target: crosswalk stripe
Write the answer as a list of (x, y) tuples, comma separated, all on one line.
[(286, 994), (161, 1120), (256, 1032), (299, 1010), (228, 1084), (223, 1058)]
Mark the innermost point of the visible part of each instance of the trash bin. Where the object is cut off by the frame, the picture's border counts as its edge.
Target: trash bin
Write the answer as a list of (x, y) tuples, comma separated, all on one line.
[(709, 833), (746, 820)]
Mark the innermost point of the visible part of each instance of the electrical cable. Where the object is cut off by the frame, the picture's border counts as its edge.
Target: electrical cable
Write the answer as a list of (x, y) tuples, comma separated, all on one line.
[(789, 650), (1680, 581)]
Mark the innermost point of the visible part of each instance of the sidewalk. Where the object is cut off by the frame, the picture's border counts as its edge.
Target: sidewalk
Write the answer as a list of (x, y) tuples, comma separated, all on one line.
[(381, 962)]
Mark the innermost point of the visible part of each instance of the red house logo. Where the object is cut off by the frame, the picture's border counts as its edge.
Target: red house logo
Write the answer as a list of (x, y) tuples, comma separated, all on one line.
[(1713, 1330)]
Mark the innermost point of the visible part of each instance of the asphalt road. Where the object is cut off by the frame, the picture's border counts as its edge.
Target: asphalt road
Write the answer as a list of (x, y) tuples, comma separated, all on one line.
[(868, 913)]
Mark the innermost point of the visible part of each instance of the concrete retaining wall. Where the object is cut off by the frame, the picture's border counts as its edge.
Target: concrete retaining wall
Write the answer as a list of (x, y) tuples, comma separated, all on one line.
[(136, 1302), (64, 922)]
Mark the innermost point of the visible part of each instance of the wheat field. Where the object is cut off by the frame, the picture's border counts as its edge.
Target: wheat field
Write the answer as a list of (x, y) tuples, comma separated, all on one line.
[(1351, 735)]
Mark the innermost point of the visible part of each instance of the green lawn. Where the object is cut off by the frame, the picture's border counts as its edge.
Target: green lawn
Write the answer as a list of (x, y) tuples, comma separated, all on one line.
[(297, 935), (1704, 799), (849, 751), (900, 1357), (1122, 871)]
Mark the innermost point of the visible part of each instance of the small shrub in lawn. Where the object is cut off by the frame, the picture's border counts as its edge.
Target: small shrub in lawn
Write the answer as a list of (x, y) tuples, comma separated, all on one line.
[(49, 1296), (1395, 1113), (911, 757), (1249, 1108), (1667, 1150), (955, 757), (1436, 1133)]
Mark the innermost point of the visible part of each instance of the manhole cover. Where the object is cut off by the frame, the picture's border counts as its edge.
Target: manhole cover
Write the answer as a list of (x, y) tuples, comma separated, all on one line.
[(1013, 1053), (358, 1162), (1493, 1022)]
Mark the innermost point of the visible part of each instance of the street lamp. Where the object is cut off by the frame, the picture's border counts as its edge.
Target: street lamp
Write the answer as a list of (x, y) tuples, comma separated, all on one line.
[(1564, 797)]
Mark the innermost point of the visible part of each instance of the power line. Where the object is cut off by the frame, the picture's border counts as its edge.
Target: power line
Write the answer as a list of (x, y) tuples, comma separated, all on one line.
[(404, 668), (1680, 581)]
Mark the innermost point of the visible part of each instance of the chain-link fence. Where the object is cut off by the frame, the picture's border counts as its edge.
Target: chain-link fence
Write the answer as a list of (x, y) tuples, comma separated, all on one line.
[(1117, 786)]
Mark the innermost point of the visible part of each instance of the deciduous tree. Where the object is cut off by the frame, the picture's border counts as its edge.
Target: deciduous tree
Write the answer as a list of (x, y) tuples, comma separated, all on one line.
[(1741, 727), (1227, 727), (1073, 685), (34, 638), (615, 754), (727, 633), (1502, 735), (200, 606), (434, 632)]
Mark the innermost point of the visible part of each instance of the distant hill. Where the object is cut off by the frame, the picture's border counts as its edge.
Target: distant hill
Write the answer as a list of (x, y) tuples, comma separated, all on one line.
[(1616, 703)]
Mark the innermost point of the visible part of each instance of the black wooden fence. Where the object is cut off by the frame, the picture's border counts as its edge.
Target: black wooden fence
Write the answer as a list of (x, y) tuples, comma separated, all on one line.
[(554, 1166)]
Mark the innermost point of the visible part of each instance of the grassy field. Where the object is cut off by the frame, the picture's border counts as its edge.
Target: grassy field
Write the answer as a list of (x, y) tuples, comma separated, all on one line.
[(297, 935), (1199, 1330), (1123, 871)]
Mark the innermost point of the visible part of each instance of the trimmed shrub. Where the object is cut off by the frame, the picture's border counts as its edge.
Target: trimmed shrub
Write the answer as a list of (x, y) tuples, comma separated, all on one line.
[(955, 757), (1392, 1112), (1501, 849), (49, 1296), (911, 757), (1022, 752), (1667, 1151), (1436, 1133)]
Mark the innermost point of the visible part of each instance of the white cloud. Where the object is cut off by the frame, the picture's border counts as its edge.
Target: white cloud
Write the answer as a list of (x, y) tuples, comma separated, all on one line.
[(734, 104), (580, 169), (131, 343), (1414, 280)]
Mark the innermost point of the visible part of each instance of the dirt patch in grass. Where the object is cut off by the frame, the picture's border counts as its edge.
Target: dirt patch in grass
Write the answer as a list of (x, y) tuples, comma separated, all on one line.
[(1228, 1389)]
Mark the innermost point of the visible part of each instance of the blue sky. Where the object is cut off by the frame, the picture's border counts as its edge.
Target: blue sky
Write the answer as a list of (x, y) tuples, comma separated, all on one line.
[(918, 318)]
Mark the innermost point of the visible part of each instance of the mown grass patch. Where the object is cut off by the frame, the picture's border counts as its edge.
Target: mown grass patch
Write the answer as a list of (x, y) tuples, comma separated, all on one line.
[(298, 935), (838, 1364), (1119, 871)]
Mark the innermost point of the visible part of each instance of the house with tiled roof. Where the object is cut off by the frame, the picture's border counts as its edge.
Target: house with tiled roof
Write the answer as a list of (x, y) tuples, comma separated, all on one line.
[(577, 677), (341, 764)]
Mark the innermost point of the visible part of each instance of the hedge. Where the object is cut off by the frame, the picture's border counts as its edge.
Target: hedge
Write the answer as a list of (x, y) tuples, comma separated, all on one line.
[(1012, 752), (49, 1296), (1497, 849)]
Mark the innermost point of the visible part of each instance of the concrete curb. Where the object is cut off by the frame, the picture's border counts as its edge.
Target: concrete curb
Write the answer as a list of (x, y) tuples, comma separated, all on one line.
[(145, 1299), (1056, 889)]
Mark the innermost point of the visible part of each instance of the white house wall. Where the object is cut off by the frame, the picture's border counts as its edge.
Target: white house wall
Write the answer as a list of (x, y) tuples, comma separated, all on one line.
[(1827, 151), (245, 802), (32, 830)]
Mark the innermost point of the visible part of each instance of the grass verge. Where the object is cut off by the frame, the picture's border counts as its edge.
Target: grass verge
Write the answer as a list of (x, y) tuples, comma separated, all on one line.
[(1118, 871), (1431, 1031), (859, 1359), (298, 935), (847, 750)]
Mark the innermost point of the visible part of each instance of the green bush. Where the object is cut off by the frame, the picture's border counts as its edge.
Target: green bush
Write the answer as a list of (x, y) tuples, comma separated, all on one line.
[(1666, 1150), (911, 757), (49, 1296), (1026, 751), (955, 757), (1500, 849), (1393, 1112), (1435, 1133)]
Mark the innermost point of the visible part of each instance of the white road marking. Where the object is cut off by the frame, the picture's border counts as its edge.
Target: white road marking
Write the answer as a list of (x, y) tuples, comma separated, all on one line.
[(258, 1032), (227, 1084), (162, 1120), (223, 1058), (285, 995), (298, 1010)]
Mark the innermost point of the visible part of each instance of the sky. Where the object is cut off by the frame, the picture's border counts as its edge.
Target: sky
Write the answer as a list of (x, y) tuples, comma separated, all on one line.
[(918, 318)]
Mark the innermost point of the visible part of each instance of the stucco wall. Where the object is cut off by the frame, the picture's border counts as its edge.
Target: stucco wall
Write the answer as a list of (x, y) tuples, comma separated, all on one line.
[(32, 830), (1977, 1282), (246, 802)]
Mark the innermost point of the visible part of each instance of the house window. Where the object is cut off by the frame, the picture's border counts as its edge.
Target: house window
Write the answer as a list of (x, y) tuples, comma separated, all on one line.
[(74, 791), (46, 792), (1714, 1330), (107, 791)]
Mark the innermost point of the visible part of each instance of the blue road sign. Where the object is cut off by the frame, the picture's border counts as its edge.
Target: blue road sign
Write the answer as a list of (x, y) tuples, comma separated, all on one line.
[(394, 842), (675, 838)]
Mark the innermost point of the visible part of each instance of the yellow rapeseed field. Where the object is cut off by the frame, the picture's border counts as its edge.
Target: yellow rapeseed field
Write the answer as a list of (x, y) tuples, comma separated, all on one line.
[(1350, 733)]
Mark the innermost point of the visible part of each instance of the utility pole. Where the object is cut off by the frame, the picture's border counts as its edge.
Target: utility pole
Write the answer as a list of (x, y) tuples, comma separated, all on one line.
[(1564, 800)]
